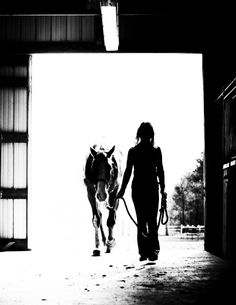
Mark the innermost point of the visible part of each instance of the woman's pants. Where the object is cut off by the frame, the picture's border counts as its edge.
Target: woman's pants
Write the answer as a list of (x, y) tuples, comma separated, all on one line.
[(146, 206)]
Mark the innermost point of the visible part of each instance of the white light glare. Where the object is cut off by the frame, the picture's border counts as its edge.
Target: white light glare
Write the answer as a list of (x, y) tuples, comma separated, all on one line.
[(110, 28)]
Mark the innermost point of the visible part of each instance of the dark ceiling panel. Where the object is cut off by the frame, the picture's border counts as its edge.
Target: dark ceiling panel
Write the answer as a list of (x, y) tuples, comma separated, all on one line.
[(47, 7), (92, 6), (155, 7)]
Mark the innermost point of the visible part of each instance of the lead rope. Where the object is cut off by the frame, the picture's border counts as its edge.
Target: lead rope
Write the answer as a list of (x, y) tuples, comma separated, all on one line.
[(163, 212)]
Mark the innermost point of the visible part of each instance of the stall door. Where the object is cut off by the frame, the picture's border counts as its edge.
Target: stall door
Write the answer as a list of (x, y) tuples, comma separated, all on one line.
[(228, 100), (14, 122)]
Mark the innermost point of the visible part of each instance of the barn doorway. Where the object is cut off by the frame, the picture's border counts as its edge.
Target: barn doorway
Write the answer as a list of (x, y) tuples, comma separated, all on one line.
[(80, 99)]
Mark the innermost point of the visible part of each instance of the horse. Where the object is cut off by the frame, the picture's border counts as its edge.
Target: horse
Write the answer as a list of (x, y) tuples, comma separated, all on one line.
[(102, 173)]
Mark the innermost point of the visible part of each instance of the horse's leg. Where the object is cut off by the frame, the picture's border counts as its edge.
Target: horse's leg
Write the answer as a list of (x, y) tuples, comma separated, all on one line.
[(111, 242), (96, 216), (97, 223), (96, 251), (103, 234), (111, 222)]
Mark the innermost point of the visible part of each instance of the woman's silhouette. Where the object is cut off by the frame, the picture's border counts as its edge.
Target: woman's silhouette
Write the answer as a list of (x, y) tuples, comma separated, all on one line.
[(146, 160)]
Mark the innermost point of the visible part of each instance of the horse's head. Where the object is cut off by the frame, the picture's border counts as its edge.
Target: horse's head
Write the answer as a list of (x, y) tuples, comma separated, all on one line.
[(102, 170)]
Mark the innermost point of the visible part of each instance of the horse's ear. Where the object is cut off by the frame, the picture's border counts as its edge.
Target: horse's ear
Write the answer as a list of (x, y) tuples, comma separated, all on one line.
[(93, 151), (110, 152)]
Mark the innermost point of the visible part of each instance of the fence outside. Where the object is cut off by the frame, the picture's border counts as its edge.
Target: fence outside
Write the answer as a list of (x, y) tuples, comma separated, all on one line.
[(181, 231)]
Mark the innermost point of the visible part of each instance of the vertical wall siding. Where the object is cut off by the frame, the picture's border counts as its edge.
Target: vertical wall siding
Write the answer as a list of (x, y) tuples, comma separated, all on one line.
[(87, 27), (20, 110), (12, 218), (7, 168), (20, 165), (14, 94), (19, 218), (43, 29), (6, 110), (47, 28), (13, 109), (229, 132), (21, 72), (6, 218), (228, 100), (59, 28), (28, 29), (9, 71), (13, 165), (74, 29)]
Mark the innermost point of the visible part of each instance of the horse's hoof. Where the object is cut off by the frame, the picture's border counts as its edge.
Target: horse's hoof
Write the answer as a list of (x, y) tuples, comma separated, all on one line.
[(96, 252), (110, 244)]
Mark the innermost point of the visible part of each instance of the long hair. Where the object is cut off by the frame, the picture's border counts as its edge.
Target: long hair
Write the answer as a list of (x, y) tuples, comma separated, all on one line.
[(145, 132)]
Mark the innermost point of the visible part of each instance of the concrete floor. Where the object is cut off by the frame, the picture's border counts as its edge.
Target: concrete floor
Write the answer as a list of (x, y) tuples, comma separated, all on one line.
[(184, 274)]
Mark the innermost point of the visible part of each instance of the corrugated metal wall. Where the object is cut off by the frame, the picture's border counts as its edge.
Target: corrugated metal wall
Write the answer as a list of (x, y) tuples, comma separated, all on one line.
[(27, 34), (14, 103), (47, 28)]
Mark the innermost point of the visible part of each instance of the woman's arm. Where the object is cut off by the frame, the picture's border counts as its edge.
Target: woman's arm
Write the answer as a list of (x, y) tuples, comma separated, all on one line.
[(127, 174), (160, 171)]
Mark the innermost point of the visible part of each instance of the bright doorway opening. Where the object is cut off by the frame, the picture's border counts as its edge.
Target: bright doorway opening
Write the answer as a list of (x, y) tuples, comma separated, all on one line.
[(82, 99)]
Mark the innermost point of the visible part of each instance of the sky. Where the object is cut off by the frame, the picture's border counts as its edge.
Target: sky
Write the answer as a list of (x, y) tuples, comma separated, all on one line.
[(87, 98)]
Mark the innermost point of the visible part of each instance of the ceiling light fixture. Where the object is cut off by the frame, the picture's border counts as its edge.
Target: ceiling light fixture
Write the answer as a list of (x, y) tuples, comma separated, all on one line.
[(109, 11)]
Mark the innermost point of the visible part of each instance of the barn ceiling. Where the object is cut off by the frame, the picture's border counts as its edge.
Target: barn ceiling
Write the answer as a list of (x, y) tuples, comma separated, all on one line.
[(163, 26), (125, 7)]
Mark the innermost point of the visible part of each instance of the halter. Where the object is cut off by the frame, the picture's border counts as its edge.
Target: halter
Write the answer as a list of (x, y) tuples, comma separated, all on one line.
[(112, 175), (95, 168), (102, 180)]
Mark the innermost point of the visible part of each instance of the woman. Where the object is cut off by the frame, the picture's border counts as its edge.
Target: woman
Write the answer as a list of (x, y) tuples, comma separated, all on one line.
[(146, 160)]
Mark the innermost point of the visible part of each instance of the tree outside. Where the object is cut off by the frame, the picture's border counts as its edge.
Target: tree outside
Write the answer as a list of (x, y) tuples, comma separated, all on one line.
[(187, 206)]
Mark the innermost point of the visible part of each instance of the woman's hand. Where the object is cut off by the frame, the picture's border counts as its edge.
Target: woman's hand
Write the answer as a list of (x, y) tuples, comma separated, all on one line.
[(163, 194), (120, 194)]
